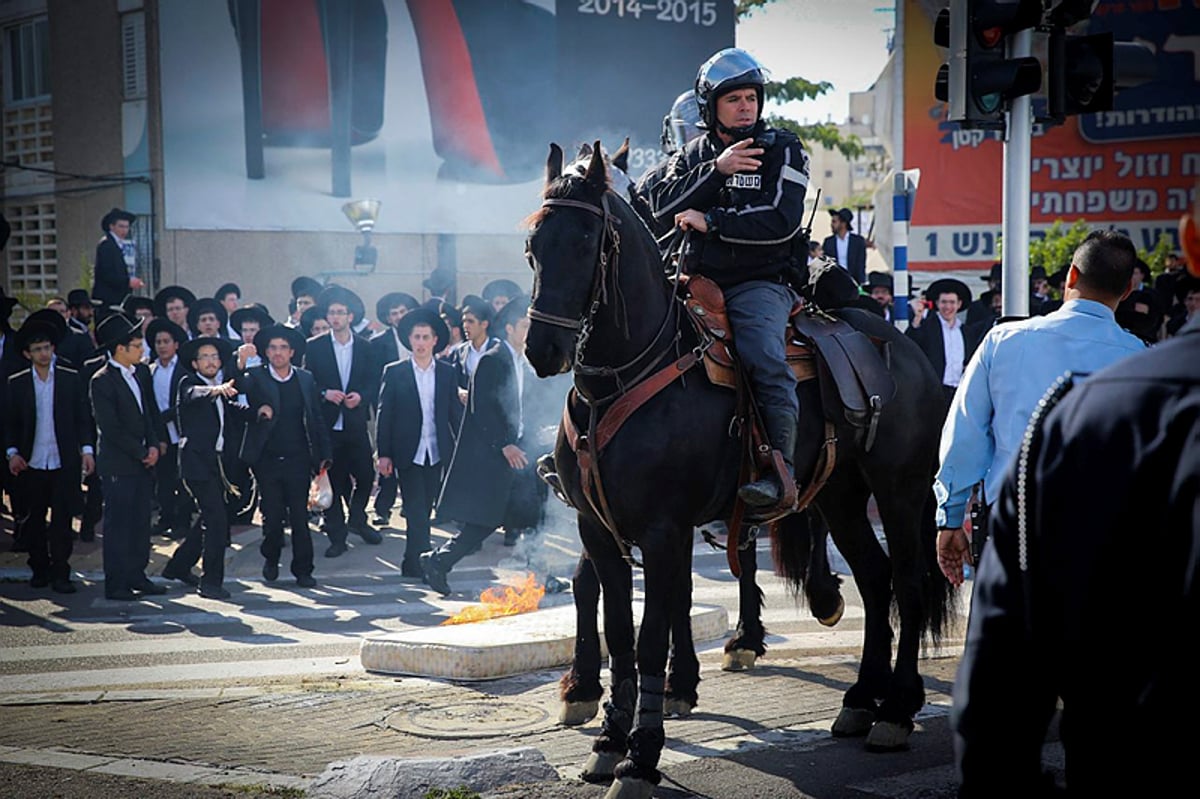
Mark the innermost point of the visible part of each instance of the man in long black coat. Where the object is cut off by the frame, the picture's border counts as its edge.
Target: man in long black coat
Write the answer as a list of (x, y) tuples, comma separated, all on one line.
[(48, 443), (387, 347), (486, 459), (113, 277), (419, 415)]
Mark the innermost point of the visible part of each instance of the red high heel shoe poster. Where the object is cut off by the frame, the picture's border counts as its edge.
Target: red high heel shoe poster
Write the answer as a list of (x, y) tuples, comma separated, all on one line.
[(276, 111)]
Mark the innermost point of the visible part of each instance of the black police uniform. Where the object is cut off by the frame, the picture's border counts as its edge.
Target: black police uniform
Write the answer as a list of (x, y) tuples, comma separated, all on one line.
[(754, 219), (1112, 484)]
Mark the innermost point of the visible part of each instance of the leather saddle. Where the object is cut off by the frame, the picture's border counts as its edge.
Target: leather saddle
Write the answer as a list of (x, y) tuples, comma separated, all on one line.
[(851, 367)]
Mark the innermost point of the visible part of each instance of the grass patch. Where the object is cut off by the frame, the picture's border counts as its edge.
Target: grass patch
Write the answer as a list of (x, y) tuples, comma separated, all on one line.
[(461, 792), (262, 789)]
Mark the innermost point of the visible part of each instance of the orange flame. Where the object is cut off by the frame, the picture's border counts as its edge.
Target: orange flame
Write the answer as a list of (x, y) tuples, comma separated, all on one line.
[(508, 601)]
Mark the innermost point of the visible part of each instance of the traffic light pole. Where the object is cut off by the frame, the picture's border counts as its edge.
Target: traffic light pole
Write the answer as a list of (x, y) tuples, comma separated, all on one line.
[(1018, 145)]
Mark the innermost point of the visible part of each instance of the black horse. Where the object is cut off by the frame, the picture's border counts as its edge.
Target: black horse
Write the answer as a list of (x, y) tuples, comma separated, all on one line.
[(603, 308)]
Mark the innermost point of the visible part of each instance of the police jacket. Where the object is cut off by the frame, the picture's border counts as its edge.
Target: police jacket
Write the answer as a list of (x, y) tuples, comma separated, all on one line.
[(753, 217)]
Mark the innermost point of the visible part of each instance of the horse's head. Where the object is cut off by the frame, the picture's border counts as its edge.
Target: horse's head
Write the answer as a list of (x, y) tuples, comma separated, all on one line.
[(571, 239)]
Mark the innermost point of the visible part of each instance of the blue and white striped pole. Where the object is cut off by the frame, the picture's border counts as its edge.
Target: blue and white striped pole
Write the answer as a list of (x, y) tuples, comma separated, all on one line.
[(900, 281)]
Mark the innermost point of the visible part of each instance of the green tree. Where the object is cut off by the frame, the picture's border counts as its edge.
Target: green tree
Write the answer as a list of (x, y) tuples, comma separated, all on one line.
[(825, 134)]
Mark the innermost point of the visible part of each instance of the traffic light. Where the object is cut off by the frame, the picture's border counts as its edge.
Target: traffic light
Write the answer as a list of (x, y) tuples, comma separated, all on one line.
[(979, 77), (1086, 72)]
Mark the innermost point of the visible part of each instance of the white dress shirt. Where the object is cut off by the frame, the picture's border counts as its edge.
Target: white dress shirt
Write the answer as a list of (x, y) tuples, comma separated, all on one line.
[(519, 368), (473, 356), (843, 250), (162, 392), (344, 355), (130, 380), (45, 442), (955, 349), (427, 450)]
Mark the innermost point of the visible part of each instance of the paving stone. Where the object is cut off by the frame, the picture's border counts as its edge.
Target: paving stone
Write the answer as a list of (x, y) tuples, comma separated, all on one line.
[(379, 776), (55, 759)]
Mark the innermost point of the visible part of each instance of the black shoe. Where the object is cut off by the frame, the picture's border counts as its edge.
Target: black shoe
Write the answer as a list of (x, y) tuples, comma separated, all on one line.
[(189, 577), (270, 571), (411, 570), (380, 521), (511, 537), (39, 581), (336, 549), (121, 595), (87, 534), (63, 587), (19, 546), (306, 581), (213, 592), (762, 493), (367, 534), (149, 588), (434, 574)]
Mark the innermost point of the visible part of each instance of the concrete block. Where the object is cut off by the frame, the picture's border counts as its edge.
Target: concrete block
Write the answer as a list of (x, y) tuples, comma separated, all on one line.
[(383, 776), (503, 646), (54, 759)]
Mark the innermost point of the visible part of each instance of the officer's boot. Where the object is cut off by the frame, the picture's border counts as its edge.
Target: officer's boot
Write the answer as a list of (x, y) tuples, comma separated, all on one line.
[(766, 492)]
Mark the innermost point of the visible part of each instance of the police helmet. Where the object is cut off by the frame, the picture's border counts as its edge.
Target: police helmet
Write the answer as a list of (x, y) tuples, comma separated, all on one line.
[(682, 124), (729, 69)]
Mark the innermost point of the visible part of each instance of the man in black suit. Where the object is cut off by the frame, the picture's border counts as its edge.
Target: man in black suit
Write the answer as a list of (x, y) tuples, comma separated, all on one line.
[(348, 381), (116, 268), (388, 346), (207, 318), (847, 248), (946, 342), (131, 439), (173, 302), (477, 339), (286, 444), (202, 409), (419, 415), (486, 460), (174, 509), (48, 442)]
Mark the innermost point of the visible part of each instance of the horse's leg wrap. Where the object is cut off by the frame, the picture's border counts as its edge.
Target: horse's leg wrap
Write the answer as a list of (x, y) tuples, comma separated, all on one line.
[(618, 718), (646, 740), (650, 701)]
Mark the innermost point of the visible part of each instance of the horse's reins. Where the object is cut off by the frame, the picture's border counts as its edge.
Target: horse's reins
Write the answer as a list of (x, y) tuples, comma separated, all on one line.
[(627, 398)]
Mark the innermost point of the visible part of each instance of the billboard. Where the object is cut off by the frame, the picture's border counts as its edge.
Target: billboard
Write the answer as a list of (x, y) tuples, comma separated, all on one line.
[(1134, 168), (448, 105)]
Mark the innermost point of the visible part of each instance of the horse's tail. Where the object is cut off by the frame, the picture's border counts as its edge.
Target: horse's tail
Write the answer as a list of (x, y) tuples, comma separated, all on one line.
[(940, 596), (791, 548)]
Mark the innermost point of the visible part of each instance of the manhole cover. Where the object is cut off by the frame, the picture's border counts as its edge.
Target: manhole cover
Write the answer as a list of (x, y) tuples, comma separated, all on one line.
[(487, 718)]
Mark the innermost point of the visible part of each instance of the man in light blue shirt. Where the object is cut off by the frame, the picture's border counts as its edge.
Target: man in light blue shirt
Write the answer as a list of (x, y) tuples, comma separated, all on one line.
[(1011, 371)]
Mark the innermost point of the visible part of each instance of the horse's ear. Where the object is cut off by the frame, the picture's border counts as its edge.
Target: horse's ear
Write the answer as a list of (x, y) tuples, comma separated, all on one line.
[(585, 151), (554, 164), (620, 159), (597, 174)]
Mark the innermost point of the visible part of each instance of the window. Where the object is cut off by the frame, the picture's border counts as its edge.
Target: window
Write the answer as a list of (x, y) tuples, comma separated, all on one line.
[(27, 58), (828, 173), (133, 55), (32, 252)]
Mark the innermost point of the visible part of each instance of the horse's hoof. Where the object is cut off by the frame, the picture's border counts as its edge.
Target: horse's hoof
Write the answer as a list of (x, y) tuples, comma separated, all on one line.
[(853, 723), (599, 766), (630, 788), (836, 616), (677, 707), (888, 736), (572, 714), (738, 660)]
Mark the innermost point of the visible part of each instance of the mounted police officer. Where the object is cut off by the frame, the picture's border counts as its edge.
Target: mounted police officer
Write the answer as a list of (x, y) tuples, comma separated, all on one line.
[(742, 186)]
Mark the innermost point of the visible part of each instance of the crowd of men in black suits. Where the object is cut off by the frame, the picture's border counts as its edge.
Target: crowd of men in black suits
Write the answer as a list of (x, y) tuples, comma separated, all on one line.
[(209, 409)]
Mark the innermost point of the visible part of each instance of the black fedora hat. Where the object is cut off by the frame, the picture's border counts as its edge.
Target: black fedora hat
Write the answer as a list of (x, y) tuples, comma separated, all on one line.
[(501, 288), (512, 312), (115, 327), (996, 272), (46, 322), (203, 306), (116, 215), (424, 316), (187, 352), (440, 281), (310, 315), (451, 315), (478, 307), (160, 324), (169, 293), (305, 286), (1039, 273), (78, 297), (134, 303), (844, 214), (1185, 284), (880, 280), (390, 300), (948, 285), (344, 296), (250, 312), (290, 334)]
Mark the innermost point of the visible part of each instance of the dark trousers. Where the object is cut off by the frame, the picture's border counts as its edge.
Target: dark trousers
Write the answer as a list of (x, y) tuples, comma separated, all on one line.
[(351, 475), (420, 485), (174, 511), (947, 398), (93, 504), (758, 313), (385, 497), (127, 500), (49, 490), (461, 545), (283, 483), (208, 535)]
